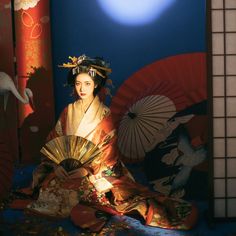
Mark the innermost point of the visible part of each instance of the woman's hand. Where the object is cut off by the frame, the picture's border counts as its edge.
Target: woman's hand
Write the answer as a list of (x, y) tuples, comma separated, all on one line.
[(78, 173), (60, 172)]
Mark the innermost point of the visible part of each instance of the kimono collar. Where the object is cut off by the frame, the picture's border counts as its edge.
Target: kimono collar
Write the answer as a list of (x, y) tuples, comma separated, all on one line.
[(83, 124)]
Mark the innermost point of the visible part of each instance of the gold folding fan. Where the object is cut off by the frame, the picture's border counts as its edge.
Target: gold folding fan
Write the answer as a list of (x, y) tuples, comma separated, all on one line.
[(71, 151)]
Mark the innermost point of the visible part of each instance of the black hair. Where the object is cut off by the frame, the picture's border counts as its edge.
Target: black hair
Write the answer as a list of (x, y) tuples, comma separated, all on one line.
[(84, 66)]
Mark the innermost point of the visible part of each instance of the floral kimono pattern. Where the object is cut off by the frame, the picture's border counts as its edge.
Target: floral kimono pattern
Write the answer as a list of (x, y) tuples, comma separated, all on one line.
[(109, 189)]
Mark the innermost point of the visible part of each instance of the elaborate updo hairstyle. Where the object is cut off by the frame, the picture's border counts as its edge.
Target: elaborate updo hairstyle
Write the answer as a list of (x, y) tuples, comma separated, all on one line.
[(96, 68)]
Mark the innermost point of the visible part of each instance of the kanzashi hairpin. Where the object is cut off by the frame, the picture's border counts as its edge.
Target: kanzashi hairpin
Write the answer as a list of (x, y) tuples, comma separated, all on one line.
[(76, 62)]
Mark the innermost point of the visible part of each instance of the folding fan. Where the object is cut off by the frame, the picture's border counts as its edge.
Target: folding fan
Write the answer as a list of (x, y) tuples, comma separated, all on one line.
[(71, 151), (178, 81)]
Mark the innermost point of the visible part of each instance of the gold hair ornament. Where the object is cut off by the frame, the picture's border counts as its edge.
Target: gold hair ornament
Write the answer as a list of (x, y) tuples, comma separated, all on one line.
[(92, 69), (75, 62)]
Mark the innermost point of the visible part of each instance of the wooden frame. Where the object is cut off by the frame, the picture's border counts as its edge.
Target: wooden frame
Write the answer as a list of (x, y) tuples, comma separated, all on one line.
[(221, 47)]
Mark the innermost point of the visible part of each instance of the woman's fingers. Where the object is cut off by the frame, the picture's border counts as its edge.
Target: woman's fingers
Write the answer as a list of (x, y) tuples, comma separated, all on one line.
[(64, 172), (72, 172), (78, 173), (61, 172)]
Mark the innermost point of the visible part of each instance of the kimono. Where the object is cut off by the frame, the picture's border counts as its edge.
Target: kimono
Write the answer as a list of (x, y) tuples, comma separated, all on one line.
[(109, 188)]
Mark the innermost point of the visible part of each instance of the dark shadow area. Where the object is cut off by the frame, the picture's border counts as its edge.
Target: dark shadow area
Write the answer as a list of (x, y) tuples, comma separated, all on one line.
[(37, 125)]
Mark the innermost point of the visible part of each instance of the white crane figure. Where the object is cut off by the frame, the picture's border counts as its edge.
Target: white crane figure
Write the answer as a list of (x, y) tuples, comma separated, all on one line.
[(7, 85)]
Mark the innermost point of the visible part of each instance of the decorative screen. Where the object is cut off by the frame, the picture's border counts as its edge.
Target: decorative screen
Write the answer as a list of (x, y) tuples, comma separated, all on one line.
[(223, 72)]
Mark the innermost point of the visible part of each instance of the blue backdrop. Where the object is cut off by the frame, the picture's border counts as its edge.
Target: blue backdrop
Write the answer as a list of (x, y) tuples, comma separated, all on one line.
[(83, 27)]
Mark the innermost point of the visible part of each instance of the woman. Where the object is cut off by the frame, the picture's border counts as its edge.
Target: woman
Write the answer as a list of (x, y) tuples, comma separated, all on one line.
[(104, 185)]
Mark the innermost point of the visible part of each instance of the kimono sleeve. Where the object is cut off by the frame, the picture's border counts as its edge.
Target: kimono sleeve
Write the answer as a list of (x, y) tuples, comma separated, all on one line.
[(109, 156), (46, 166)]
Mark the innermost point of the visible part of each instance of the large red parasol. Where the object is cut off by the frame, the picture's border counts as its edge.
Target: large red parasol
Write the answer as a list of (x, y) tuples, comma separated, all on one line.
[(151, 96)]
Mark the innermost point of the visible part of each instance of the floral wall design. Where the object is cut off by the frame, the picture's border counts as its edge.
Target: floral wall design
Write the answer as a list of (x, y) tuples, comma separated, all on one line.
[(33, 58), (26, 45)]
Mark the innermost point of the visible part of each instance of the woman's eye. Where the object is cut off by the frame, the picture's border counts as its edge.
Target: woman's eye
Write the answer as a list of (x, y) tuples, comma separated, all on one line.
[(87, 84)]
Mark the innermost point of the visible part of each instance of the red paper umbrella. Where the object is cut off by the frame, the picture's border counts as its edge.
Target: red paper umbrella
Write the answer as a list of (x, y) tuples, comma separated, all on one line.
[(6, 168), (178, 80)]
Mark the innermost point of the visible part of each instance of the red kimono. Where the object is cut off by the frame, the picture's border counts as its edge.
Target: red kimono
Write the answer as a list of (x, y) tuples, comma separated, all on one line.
[(109, 187)]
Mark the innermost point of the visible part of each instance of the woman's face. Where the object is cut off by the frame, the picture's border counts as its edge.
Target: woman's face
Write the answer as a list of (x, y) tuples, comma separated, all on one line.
[(84, 86)]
